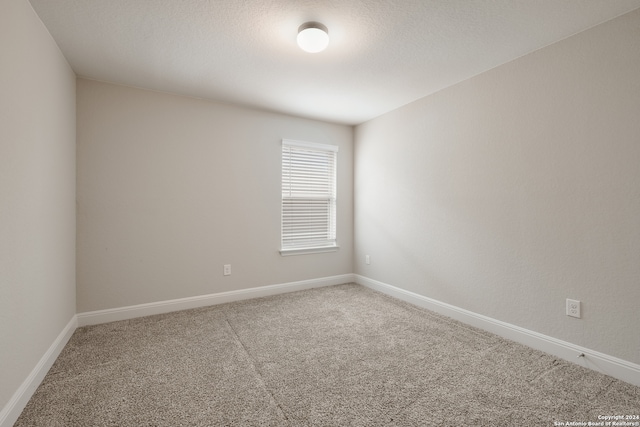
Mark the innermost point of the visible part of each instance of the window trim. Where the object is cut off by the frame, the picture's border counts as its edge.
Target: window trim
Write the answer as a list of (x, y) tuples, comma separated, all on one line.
[(310, 250)]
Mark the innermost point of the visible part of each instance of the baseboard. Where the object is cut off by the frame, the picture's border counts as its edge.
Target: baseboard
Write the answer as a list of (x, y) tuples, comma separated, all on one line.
[(20, 398), (600, 362), (141, 310)]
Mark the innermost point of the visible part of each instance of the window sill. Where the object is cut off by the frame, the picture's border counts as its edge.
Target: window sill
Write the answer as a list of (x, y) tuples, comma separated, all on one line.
[(305, 251)]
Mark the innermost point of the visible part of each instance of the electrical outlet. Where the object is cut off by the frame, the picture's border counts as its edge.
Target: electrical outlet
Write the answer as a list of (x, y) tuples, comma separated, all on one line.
[(573, 308), (227, 270), (367, 259)]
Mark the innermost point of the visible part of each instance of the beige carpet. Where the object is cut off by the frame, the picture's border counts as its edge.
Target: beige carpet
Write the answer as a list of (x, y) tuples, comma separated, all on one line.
[(336, 356)]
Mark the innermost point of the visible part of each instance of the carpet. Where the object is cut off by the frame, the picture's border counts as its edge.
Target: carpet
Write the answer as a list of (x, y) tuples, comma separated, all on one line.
[(334, 356)]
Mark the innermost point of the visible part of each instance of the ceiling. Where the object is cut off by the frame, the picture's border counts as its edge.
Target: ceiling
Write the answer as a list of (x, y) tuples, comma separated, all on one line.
[(383, 53)]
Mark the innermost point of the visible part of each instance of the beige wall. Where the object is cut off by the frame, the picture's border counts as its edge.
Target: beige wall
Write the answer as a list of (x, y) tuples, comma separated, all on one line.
[(514, 190), (172, 188), (37, 193)]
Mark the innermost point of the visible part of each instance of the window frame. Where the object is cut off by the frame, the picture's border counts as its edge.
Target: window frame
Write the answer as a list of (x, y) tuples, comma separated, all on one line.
[(330, 244)]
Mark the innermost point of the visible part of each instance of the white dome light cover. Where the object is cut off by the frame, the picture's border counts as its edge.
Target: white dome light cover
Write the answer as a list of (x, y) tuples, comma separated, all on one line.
[(313, 37)]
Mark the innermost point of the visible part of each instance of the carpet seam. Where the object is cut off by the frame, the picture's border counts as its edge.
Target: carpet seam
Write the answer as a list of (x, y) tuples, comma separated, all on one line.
[(556, 366), (257, 371), (604, 390)]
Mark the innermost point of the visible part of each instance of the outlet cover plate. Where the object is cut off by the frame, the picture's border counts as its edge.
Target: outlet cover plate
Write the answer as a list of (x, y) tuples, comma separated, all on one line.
[(573, 308)]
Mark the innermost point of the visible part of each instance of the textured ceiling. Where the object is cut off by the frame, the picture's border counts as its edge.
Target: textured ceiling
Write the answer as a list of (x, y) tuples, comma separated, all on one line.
[(382, 54)]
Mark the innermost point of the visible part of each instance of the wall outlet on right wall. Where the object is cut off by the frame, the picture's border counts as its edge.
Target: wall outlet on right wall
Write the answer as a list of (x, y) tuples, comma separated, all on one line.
[(573, 308)]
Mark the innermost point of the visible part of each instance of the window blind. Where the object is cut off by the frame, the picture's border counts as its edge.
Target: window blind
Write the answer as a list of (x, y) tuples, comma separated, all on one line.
[(308, 195)]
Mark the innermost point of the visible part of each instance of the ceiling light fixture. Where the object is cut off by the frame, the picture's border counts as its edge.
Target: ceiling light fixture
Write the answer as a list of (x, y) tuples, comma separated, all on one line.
[(313, 37)]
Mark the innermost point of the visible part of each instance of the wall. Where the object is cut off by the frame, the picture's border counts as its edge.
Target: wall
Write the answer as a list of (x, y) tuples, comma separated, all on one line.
[(37, 194), (516, 189), (172, 188)]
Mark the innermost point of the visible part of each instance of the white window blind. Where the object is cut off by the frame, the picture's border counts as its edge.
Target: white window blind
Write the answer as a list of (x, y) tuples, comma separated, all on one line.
[(308, 196)]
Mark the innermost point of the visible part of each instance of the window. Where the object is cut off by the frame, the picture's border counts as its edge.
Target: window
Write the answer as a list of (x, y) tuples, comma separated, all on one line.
[(308, 197)]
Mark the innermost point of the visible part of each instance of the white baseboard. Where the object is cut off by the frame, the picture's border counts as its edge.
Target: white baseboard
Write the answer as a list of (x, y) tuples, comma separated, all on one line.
[(600, 362), (141, 310), (20, 398)]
